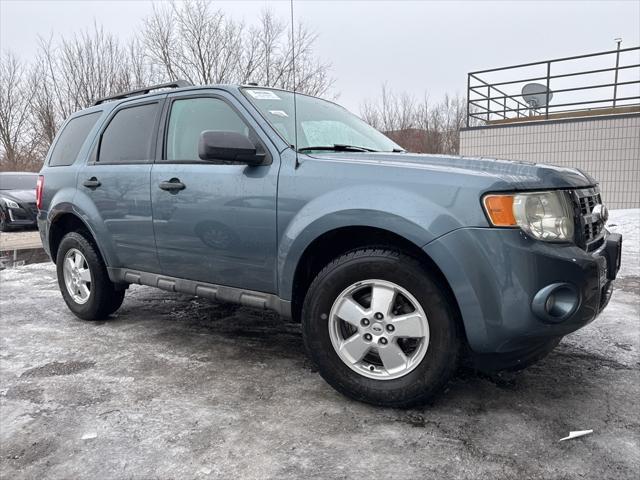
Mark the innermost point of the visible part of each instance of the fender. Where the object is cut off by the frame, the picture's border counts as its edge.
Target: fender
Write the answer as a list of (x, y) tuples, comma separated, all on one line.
[(85, 209), (59, 204), (52, 216), (405, 213)]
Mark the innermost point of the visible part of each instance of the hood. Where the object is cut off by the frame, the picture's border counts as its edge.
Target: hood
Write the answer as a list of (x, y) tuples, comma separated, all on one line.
[(24, 196), (509, 174)]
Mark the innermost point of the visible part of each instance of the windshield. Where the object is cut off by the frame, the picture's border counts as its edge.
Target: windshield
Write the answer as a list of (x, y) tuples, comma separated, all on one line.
[(320, 123), (18, 182)]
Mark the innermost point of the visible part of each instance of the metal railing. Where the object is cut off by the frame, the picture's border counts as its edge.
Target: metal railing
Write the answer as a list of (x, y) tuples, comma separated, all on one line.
[(497, 100)]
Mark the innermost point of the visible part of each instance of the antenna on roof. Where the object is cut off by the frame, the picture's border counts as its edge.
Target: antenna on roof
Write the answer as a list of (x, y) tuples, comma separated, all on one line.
[(536, 95), (293, 66)]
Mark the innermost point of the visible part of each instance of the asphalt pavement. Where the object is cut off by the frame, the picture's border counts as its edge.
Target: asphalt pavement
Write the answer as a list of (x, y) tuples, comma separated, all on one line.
[(179, 387)]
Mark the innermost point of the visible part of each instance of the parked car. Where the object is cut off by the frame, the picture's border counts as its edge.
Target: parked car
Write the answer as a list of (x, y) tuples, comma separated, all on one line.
[(17, 200), (396, 264)]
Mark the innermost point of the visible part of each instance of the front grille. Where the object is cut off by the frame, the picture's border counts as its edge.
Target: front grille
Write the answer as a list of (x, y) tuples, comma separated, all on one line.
[(589, 227), (592, 230), (588, 201)]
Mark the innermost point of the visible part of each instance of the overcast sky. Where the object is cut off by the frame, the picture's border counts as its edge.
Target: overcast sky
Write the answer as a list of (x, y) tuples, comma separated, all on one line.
[(413, 46)]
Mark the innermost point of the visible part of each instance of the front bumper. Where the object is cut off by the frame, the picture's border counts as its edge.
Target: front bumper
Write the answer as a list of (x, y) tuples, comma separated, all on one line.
[(25, 216), (496, 274)]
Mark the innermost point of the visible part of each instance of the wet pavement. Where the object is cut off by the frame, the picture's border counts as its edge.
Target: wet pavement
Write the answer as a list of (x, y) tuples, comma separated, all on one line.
[(18, 258), (179, 387), (19, 248)]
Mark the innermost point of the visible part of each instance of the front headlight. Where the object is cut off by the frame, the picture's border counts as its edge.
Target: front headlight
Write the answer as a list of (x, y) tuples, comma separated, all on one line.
[(10, 203), (543, 215)]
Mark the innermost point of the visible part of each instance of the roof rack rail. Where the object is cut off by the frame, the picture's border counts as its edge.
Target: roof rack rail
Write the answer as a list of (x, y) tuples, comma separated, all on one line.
[(145, 90)]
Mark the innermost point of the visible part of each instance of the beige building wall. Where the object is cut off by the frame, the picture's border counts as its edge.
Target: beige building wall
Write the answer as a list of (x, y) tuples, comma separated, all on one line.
[(608, 148)]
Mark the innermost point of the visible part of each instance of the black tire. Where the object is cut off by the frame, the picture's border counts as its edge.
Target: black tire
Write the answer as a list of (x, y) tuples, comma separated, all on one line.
[(104, 298), (441, 359), (115, 301)]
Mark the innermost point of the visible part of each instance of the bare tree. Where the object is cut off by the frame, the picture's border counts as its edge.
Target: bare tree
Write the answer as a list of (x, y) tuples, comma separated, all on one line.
[(417, 126), (70, 74), (194, 42), (269, 34), (191, 40), (291, 61), (90, 65), (44, 118), (370, 113), (16, 139), (188, 40)]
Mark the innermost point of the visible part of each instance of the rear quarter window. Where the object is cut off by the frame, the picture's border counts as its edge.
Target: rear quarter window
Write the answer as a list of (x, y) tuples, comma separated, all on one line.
[(66, 150)]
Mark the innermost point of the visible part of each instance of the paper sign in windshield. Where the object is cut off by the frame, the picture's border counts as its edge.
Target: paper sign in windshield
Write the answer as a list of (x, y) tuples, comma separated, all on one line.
[(263, 95)]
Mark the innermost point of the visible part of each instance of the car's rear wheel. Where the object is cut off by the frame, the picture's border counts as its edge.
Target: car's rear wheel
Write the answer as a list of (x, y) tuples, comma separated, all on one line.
[(380, 329), (83, 279)]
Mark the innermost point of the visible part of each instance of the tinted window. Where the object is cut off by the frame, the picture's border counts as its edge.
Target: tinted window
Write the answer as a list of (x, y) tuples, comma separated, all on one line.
[(129, 135), (18, 182), (71, 140), (190, 117)]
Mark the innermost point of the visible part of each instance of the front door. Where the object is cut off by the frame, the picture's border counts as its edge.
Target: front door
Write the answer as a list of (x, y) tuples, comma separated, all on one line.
[(216, 223)]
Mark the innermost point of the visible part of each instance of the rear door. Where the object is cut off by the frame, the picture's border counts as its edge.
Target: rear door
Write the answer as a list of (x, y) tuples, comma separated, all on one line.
[(116, 181), (221, 227)]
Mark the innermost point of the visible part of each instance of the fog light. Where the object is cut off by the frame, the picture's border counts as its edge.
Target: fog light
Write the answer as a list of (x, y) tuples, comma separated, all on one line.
[(550, 303), (556, 302)]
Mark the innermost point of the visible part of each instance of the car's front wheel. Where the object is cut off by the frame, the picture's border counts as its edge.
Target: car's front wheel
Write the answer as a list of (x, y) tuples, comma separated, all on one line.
[(83, 279), (380, 329)]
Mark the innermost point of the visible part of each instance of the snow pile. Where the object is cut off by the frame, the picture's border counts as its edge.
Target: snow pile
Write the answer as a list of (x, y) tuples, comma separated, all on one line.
[(627, 222)]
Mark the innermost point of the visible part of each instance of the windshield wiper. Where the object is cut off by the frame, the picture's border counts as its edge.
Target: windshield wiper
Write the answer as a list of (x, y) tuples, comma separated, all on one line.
[(338, 147)]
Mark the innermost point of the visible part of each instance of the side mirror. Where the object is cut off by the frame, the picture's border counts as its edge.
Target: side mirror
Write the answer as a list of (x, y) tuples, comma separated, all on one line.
[(228, 147)]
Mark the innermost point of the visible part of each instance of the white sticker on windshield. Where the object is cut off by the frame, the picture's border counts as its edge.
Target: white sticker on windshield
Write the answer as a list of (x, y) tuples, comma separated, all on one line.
[(279, 113), (263, 95)]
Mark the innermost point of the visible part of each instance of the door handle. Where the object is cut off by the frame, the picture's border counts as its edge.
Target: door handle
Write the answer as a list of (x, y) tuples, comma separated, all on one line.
[(93, 182), (172, 185)]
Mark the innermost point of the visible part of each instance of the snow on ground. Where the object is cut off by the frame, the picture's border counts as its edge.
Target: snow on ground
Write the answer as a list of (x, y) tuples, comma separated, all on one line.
[(627, 222), (173, 386), (616, 332)]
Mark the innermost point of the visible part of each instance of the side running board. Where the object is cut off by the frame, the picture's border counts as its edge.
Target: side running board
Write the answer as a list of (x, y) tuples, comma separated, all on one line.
[(220, 293)]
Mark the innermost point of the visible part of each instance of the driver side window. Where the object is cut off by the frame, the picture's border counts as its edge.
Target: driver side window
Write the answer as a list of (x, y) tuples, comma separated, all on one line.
[(192, 116)]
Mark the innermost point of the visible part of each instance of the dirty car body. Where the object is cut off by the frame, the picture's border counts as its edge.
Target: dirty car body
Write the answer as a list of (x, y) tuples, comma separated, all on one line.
[(268, 210)]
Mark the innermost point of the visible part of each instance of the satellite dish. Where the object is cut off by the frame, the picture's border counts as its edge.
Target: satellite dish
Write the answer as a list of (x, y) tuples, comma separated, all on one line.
[(535, 94)]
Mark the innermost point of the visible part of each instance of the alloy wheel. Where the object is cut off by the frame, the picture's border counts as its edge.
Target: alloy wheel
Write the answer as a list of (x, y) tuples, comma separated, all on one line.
[(379, 329), (77, 276)]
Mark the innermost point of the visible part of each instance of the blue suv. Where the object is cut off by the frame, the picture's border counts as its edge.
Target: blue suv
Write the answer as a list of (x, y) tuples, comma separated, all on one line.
[(397, 265)]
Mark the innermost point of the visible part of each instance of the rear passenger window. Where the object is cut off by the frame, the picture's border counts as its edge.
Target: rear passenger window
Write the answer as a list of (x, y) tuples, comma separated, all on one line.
[(129, 136), (71, 140)]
